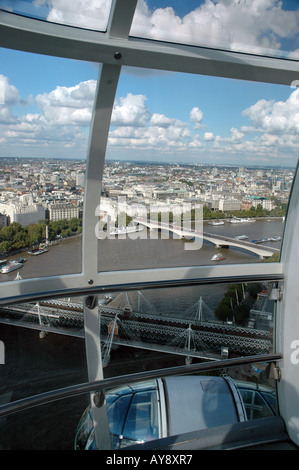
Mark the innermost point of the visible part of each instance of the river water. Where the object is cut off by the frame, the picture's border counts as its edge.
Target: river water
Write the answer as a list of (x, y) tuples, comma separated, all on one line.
[(34, 365)]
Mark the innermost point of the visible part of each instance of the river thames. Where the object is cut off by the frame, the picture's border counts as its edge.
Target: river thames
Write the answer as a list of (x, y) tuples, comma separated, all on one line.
[(122, 254)]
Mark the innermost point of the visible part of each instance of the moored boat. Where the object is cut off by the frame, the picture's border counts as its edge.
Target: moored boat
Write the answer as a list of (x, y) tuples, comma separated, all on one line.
[(125, 230), (218, 222), (275, 239), (269, 239), (218, 257), (241, 220), (11, 266), (39, 251)]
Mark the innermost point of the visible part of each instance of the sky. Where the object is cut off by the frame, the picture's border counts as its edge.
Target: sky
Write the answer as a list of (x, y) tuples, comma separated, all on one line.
[(46, 102)]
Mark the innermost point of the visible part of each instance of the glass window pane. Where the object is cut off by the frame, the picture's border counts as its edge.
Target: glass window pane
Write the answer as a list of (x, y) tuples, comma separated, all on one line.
[(255, 400), (44, 350), (194, 323), (87, 14), (38, 361), (262, 408), (140, 423), (268, 28), (186, 179), (45, 108), (117, 413)]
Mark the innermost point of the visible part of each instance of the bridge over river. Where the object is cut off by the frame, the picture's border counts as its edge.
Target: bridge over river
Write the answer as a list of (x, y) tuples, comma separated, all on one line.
[(194, 335), (219, 241)]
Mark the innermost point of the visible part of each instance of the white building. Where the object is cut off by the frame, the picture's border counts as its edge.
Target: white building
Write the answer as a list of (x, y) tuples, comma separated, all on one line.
[(80, 179), (24, 214), (229, 205), (63, 211)]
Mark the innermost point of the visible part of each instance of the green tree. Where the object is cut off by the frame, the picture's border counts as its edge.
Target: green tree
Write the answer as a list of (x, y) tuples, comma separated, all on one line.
[(20, 240), (35, 233), (7, 233), (207, 213), (5, 247)]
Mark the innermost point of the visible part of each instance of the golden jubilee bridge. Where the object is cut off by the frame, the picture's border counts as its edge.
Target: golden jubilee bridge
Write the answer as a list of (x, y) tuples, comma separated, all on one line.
[(193, 334)]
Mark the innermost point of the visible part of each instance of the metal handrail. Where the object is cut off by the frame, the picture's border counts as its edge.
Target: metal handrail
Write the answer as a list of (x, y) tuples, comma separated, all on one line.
[(96, 386), (100, 289)]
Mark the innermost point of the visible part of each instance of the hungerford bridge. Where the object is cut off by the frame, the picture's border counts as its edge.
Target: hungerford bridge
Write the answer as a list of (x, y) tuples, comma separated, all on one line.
[(217, 240), (133, 322)]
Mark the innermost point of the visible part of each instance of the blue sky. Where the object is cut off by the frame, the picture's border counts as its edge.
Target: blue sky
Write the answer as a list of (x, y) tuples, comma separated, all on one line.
[(157, 116)]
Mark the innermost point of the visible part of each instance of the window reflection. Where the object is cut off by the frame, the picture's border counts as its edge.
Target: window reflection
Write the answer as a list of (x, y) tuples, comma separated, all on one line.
[(195, 323), (139, 331), (260, 401), (192, 323), (141, 423)]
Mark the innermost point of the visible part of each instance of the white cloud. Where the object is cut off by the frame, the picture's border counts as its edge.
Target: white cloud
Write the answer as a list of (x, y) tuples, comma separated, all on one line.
[(196, 143), (65, 111), (152, 136), (208, 136), (91, 14), (235, 24), (64, 115), (130, 110), (278, 117), (68, 105), (196, 116), (8, 93), (236, 135), (161, 120), (9, 96)]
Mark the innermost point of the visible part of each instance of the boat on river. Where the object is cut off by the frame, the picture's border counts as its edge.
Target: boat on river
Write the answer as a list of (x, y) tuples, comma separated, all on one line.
[(218, 222), (37, 252), (241, 220), (125, 230), (218, 257), (269, 239), (11, 266), (275, 239)]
